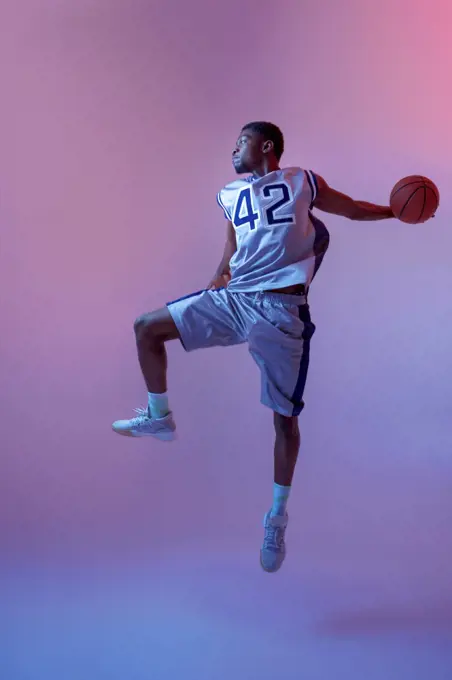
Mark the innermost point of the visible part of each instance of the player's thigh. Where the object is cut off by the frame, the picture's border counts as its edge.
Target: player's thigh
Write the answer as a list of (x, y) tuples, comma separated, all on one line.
[(280, 345), (207, 319)]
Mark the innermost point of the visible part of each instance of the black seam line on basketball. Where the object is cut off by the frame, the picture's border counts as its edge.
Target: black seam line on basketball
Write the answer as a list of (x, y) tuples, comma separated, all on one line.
[(423, 205), (431, 185), (412, 196), (416, 181), (434, 193)]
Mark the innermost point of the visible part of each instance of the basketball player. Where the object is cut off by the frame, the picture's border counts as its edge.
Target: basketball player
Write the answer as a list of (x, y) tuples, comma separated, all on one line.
[(258, 295)]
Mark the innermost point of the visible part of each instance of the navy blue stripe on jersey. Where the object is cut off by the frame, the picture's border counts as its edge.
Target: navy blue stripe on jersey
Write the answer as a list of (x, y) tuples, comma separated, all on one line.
[(311, 184), (308, 332), (314, 179), (221, 204)]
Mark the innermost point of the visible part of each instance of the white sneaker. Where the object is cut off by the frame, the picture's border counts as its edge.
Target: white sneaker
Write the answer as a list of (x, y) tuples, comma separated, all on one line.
[(273, 550), (143, 425)]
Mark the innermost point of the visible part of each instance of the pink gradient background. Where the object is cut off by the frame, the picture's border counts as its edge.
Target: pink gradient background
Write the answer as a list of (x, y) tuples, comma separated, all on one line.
[(132, 560)]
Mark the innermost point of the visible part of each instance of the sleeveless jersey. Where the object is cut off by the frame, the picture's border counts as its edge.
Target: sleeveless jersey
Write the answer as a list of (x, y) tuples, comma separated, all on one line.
[(280, 242)]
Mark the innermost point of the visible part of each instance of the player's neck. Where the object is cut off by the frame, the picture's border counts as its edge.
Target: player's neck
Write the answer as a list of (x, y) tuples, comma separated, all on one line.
[(267, 166)]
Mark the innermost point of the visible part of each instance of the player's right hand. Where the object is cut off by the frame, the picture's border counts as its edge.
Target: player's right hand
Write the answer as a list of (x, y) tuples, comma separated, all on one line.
[(219, 281)]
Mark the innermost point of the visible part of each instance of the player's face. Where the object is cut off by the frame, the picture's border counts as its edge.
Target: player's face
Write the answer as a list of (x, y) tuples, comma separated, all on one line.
[(248, 153)]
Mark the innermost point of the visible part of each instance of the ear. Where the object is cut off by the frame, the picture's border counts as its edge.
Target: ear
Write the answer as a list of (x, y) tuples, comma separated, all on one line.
[(267, 146)]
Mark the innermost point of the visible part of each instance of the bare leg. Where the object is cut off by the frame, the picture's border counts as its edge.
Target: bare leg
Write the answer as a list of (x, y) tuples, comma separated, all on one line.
[(152, 331), (287, 446)]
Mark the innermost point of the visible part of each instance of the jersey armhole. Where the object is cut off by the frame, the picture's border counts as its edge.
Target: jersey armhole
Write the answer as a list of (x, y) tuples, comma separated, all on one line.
[(223, 207), (312, 179)]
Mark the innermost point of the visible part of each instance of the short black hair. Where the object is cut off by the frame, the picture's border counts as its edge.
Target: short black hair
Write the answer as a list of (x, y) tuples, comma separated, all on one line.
[(271, 132)]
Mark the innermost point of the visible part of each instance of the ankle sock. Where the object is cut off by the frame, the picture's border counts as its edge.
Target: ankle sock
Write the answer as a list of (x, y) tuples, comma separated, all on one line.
[(158, 405), (280, 498)]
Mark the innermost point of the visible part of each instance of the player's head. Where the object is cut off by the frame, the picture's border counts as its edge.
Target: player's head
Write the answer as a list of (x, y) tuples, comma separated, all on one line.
[(258, 142)]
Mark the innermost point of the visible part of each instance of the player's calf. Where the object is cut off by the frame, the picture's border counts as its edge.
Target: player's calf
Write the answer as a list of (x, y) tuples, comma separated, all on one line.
[(152, 330), (287, 445)]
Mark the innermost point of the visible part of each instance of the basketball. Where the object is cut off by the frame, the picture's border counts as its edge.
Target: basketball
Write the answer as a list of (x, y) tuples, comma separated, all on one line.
[(414, 199)]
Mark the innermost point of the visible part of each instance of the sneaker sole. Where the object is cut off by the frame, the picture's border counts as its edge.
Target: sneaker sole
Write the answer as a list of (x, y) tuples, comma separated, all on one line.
[(270, 571), (163, 436)]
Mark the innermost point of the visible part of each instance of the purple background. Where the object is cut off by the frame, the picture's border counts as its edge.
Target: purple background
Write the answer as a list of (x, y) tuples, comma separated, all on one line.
[(133, 560)]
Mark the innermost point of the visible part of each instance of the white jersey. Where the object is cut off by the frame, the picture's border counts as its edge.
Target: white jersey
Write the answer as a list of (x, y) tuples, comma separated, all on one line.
[(279, 242)]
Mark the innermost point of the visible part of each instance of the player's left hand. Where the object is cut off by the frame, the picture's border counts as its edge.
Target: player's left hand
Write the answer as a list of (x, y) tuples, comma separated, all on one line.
[(220, 281)]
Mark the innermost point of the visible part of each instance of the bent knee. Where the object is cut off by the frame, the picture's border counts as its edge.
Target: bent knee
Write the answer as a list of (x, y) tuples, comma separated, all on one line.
[(157, 325), (143, 324)]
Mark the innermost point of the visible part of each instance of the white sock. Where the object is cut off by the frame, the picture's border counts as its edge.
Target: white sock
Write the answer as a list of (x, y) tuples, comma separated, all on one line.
[(280, 498), (158, 404)]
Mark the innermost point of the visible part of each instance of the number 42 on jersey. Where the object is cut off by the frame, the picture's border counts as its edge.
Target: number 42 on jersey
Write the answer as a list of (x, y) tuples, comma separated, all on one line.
[(280, 197)]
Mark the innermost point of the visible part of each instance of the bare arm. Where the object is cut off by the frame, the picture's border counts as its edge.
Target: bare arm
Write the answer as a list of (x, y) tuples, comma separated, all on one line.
[(222, 273), (331, 201)]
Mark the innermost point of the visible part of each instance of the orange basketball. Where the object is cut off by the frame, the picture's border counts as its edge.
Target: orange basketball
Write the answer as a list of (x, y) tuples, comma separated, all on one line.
[(414, 199)]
